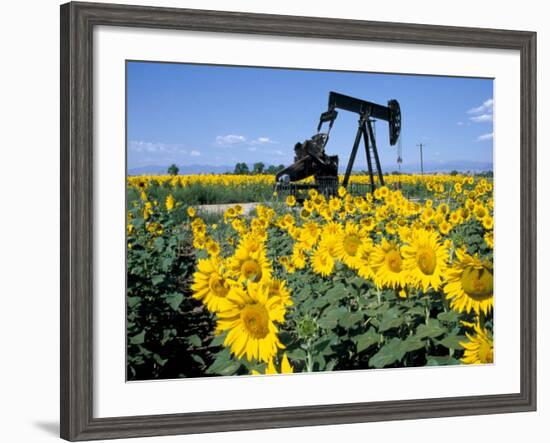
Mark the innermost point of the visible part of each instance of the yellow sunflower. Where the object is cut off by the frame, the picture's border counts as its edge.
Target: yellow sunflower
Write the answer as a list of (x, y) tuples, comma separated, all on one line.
[(239, 225), (278, 288), (291, 200), (170, 202), (368, 223), (470, 284), (489, 239), (480, 211), (364, 268), (309, 234), (334, 204), (387, 263), (329, 243), (487, 222), (479, 348), (250, 323), (347, 246), (229, 213), (250, 266), (298, 257), (147, 210), (251, 243), (322, 262), (445, 227), (212, 247), (211, 285), (425, 258), (332, 228), (286, 367)]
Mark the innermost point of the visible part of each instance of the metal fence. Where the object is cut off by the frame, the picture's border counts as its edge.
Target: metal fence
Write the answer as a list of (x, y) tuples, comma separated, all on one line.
[(325, 186)]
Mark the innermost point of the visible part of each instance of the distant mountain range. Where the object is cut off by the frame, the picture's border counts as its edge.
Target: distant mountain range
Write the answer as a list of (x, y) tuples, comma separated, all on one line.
[(459, 165), (184, 169)]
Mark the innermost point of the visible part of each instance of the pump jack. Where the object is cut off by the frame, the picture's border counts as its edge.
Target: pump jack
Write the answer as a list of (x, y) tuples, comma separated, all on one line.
[(310, 157)]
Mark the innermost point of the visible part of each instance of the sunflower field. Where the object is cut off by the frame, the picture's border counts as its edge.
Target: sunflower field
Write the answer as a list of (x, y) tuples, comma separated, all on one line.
[(402, 277)]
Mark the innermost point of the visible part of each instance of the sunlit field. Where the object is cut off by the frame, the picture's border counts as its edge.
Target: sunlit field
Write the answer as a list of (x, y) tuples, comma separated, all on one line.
[(402, 277)]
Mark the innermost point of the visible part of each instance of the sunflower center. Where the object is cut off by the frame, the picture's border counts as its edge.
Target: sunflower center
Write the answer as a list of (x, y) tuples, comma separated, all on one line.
[(477, 283), (323, 259), (332, 250), (251, 270), (253, 246), (256, 320), (426, 260), (217, 286), (485, 352), (274, 289), (393, 260), (351, 244), (480, 212)]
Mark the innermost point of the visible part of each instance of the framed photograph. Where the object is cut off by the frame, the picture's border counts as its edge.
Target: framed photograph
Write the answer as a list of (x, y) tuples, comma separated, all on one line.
[(273, 221)]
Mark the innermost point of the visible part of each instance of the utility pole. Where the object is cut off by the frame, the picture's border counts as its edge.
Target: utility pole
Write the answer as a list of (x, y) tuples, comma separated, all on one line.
[(421, 145), (399, 154)]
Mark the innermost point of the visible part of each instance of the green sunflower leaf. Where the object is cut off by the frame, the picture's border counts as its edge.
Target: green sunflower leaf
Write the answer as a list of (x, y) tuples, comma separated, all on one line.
[(390, 353), (366, 340), (432, 330)]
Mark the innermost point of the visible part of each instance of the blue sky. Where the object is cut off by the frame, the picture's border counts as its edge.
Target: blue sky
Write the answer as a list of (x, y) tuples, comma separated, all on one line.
[(218, 115)]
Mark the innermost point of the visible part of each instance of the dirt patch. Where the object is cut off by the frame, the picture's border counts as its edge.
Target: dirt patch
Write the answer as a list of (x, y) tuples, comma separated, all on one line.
[(216, 209)]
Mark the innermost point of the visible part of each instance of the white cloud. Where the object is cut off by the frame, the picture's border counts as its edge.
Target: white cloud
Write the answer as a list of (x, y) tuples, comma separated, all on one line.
[(195, 153), (459, 123), (234, 139), (279, 152), (482, 118), (482, 113), (262, 141), (484, 137), (485, 107), (252, 149), (155, 147), (230, 139)]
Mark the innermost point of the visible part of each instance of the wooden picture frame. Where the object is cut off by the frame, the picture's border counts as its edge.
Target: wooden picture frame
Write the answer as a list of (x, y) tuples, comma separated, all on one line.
[(77, 23)]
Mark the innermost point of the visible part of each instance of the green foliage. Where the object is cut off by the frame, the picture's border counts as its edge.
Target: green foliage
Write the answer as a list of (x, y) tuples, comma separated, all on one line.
[(204, 194), (241, 168), (347, 324), (258, 168), (173, 169), (168, 332), (272, 169)]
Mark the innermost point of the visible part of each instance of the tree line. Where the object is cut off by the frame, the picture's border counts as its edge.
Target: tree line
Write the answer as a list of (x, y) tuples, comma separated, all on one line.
[(241, 169), (257, 168)]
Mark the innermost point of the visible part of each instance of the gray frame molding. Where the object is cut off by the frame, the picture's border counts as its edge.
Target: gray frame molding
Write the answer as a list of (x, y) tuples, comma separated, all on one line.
[(77, 23)]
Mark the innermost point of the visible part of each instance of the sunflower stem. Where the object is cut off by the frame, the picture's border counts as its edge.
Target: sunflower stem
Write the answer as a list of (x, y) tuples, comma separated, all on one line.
[(446, 306), (309, 358)]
